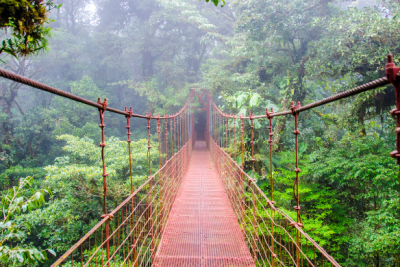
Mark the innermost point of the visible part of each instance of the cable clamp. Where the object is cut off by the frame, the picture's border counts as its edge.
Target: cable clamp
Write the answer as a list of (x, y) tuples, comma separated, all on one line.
[(391, 69), (269, 202), (108, 216), (269, 114), (293, 108), (130, 112), (395, 154), (294, 224), (103, 104)]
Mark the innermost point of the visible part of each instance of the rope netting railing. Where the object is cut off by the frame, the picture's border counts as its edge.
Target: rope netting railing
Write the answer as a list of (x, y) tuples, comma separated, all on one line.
[(273, 237)]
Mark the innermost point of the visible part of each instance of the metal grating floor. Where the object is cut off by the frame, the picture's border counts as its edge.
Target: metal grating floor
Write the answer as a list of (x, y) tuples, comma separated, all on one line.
[(202, 229)]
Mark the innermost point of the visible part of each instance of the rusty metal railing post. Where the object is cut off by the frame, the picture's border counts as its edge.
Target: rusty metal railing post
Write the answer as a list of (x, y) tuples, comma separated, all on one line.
[(151, 187), (158, 220), (172, 138), (166, 137), (272, 202), (241, 173), (251, 184), (226, 130), (392, 73), (296, 181), (222, 131), (252, 143), (229, 134), (128, 127), (175, 134), (105, 174), (215, 124), (234, 133)]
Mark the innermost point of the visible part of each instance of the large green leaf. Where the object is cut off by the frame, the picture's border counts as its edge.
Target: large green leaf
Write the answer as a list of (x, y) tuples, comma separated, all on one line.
[(241, 99), (255, 100), (242, 112)]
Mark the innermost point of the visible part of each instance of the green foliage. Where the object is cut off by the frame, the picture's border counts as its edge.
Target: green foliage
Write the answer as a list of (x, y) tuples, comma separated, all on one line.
[(11, 176), (216, 2), (16, 201), (251, 55), (82, 168), (25, 20), (349, 200)]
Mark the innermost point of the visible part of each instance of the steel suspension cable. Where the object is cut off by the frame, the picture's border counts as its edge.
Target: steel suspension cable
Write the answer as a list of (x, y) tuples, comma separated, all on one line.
[(354, 91)]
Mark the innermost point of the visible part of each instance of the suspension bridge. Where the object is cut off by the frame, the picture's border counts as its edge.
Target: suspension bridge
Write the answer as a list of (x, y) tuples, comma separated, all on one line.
[(200, 208)]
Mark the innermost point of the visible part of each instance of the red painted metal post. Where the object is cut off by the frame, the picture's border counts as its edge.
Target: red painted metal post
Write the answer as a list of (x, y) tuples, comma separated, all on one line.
[(234, 132), (241, 173), (392, 73), (128, 127), (193, 133), (151, 186), (229, 133), (219, 129), (160, 195), (172, 137), (252, 143), (214, 124), (105, 174), (251, 184), (296, 182), (178, 131), (271, 134), (208, 113), (166, 137), (223, 130)]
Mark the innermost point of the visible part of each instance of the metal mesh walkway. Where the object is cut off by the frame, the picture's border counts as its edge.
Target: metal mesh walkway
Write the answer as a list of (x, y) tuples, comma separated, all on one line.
[(202, 229)]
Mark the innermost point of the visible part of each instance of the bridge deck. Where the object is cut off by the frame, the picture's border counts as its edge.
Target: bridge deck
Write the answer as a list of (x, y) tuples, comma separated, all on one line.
[(202, 229)]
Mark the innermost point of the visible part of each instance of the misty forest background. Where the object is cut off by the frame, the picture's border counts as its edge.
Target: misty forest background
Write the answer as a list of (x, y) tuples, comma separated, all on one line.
[(250, 55)]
